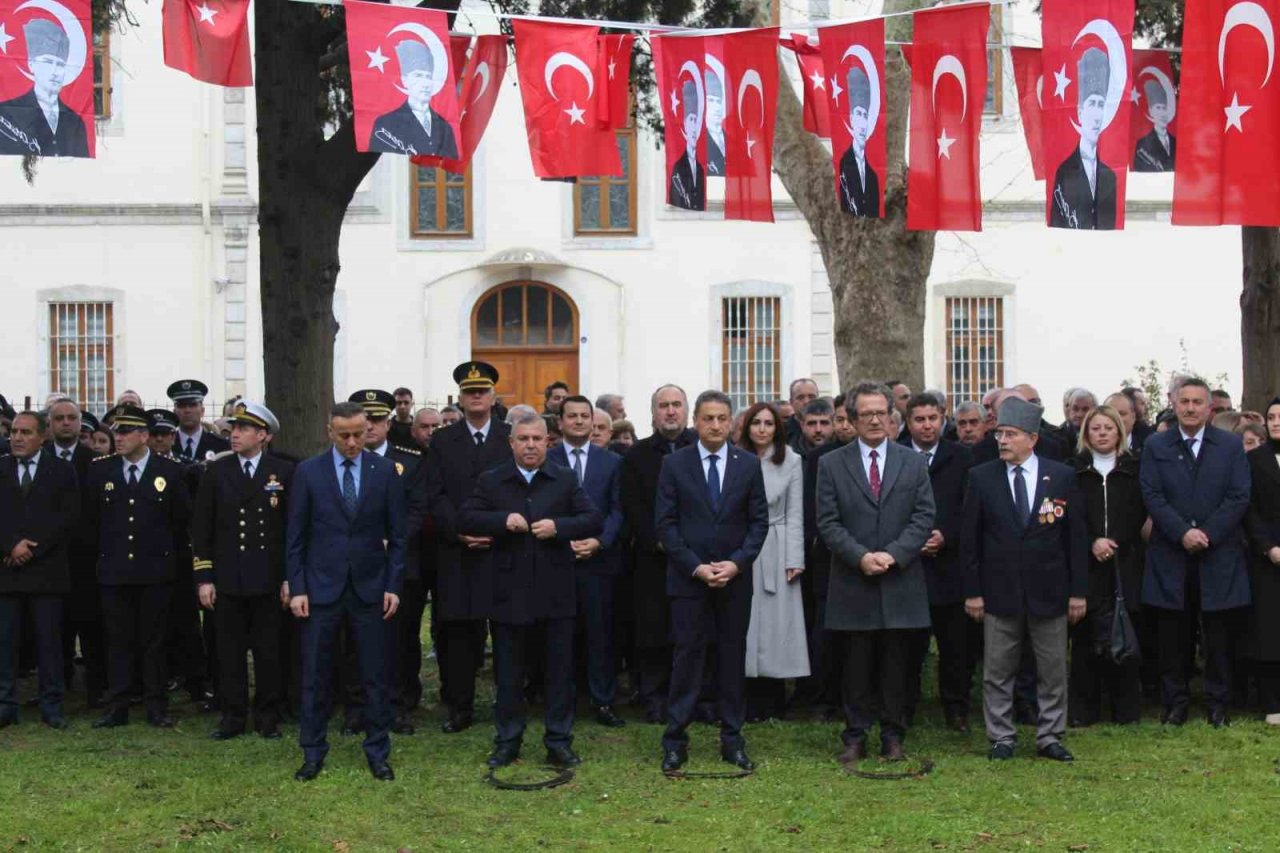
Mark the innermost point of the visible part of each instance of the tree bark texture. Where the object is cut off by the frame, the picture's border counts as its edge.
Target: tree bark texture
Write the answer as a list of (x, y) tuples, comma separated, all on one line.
[(1260, 316)]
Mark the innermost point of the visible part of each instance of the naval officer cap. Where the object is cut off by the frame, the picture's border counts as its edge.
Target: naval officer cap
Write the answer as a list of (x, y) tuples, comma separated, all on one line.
[(1018, 413), (187, 391), (162, 420), (475, 376), (377, 404), (89, 422), (255, 414), (127, 418)]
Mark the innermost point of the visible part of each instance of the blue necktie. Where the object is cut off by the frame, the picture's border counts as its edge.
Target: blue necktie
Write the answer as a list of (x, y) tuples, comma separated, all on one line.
[(349, 487), (1022, 506), (713, 480), (577, 464)]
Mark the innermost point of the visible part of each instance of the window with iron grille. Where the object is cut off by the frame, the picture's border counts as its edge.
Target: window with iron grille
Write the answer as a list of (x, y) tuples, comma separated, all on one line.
[(82, 353), (975, 346), (751, 348)]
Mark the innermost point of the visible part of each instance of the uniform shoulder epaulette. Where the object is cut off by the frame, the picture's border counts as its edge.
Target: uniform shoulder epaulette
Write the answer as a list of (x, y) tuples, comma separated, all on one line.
[(100, 458), (410, 450)]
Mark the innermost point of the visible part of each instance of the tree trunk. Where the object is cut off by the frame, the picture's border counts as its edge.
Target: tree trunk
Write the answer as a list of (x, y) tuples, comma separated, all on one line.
[(1260, 316), (877, 268)]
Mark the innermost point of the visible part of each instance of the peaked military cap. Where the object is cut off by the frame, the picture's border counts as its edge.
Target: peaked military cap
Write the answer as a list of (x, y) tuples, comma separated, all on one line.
[(376, 403), (187, 391), (472, 375)]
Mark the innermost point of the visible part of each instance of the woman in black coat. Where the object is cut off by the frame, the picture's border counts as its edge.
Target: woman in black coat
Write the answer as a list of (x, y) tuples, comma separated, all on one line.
[(1262, 639), (1107, 472)]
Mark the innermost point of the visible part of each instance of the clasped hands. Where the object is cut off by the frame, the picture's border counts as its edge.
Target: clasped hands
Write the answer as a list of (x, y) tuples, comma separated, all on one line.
[(544, 528), (717, 574), (876, 562), (1195, 540), (21, 553)]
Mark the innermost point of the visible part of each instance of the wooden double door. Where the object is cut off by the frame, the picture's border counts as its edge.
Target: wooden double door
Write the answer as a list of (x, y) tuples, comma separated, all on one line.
[(528, 330)]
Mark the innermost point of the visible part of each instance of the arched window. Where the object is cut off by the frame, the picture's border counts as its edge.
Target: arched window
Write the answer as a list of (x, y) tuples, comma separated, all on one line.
[(524, 314)]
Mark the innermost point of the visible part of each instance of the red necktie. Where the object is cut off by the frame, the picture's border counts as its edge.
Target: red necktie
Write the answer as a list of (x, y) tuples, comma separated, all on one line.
[(875, 476)]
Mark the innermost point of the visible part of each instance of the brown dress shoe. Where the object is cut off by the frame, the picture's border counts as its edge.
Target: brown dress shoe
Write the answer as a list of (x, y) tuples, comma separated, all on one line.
[(854, 752)]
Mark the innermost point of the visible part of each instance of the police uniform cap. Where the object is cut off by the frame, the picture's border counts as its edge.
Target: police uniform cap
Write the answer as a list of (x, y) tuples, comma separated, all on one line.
[(127, 417), (375, 402), (255, 414), (187, 391), (163, 420), (89, 422), (475, 375)]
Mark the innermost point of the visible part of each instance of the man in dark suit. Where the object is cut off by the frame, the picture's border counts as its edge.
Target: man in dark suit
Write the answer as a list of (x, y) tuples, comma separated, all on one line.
[(859, 183), (688, 185), (533, 510), (598, 559), (1084, 188), (194, 442), (959, 638), (414, 127), (346, 545), (1157, 148), (1196, 485), (39, 510), (137, 509), (1024, 546), (459, 454), (650, 610), (711, 517), (38, 123), (238, 543)]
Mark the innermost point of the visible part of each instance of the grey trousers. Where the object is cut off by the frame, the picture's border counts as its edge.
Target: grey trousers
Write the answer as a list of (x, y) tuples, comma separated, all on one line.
[(1004, 638)]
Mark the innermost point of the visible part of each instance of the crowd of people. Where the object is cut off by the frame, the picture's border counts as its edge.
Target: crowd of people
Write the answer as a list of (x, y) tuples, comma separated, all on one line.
[(796, 558)]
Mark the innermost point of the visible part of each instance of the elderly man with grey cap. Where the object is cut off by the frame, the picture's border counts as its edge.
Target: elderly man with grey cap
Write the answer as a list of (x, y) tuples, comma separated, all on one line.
[(414, 128), (1024, 549), (1084, 188), (238, 546), (859, 184), (38, 122), (1157, 148)]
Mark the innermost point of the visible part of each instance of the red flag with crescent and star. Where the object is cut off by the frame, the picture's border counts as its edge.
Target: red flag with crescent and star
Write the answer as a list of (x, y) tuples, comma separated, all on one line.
[(948, 86), (558, 74), (853, 55), (1029, 77), (750, 98), (46, 78), (209, 40), (817, 119), (482, 75), (613, 65), (678, 63), (403, 83), (1153, 97), (1227, 172), (1086, 61)]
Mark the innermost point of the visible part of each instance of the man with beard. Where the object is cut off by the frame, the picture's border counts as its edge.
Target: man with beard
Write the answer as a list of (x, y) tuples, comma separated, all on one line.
[(1084, 188)]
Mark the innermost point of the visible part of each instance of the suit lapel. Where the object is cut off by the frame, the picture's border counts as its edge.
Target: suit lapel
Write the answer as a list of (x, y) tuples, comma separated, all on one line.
[(853, 457), (367, 464), (728, 475), (334, 479), (695, 463), (1043, 483), (892, 466)]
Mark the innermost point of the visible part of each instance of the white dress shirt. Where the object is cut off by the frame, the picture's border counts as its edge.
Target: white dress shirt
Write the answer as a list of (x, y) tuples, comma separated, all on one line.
[(484, 430), (195, 441), (722, 461), (34, 463), (70, 452), (1198, 438), (252, 460), (569, 450), (1030, 472), (930, 453), (141, 463), (881, 450)]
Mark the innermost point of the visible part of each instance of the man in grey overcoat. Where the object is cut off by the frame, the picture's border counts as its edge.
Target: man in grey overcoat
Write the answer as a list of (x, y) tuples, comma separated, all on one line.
[(875, 512)]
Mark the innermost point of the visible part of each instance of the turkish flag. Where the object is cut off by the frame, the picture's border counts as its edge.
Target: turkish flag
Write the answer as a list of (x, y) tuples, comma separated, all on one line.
[(678, 62), (1085, 132), (1227, 172), (458, 47), (46, 54), (481, 81), (1154, 100), (817, 119), (613, 65), (853, 55), (948, 87), (209, 39), (750, 110), (1029, 76), (402, 80), (559, 83)]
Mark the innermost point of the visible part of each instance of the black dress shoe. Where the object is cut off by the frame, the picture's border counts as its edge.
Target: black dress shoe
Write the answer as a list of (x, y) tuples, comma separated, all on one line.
[(111, 720), (503, 755), (854, 752), (1174, 716), (456, 723), (308, 771), (381, 771), (56, 721), (1218, 718), (160, 720), (1055, 752), (891, 750), (225, 734), (1000, 752), (738, 758), (272, 733), (562, 757), (606, 717), (673, 760)]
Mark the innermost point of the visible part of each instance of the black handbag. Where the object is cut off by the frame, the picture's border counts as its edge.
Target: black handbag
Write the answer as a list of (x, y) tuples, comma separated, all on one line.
[(1122, 644)]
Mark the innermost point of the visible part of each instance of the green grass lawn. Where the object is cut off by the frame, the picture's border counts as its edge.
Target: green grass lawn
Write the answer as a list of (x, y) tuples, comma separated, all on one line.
[(1136, 788)]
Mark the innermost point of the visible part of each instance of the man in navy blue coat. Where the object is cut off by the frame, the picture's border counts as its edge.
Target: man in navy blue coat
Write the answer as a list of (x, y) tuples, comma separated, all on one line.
[(345, 560), (598, 558), (1195, 481), (712, 517)]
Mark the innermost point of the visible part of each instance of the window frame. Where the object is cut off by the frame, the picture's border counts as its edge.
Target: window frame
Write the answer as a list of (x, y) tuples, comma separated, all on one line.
[(995, 63), (772, 389), (102, 51), (628, 136), (82, 348), (441, 184), (497, 293), (975, 338)]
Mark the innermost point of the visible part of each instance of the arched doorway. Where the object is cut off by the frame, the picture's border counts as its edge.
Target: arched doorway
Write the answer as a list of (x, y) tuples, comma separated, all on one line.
[(528, 330)]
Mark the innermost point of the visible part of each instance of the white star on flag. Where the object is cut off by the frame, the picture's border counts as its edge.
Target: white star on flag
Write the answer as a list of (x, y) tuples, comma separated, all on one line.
[(1060, 82), (1234, 112), (575, 114), (675, 104), (5, 38), (611, 67), (944, 144), (835, 89), (751, 143), (816, 79), (1133, 94), (206, 14), (376, 59)]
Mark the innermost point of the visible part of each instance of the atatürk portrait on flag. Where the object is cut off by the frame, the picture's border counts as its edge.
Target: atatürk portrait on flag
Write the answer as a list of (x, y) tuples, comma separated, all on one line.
[(38, 122), (415, 128), (1155, 149), (1084, 188), (859, 184), (688, 185)]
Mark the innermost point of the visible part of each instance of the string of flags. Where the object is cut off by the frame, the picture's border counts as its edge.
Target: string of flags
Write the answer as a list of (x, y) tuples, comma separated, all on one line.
[(1092, 107)]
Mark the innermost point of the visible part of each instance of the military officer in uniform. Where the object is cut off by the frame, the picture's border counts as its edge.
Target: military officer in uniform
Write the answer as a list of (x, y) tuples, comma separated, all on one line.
[(137, 511), (164, 431), (238, 545), (194, 441)]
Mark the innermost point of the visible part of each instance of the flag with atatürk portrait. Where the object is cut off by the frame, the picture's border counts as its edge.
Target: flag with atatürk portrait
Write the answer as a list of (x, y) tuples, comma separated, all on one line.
[(557, 69), (481, 80), (813, 79), (750, 90), (1086, 62), (853, 55), (46, 78), (948, 86), (403, 83), (209, 39), (1153, 128), (1227, 171), (1029, 77), (678, 63)]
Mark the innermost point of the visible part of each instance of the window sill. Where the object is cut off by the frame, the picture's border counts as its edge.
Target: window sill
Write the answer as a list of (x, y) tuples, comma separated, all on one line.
[(440, 244), (607, 241)]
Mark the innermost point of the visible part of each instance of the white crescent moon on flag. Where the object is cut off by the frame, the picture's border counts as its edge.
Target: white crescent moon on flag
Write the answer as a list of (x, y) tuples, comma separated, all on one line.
[(560, 60), (482, 71), (863, 56), (691, 68), (75, 37), (439, 56), (716, 67), (1246, 14), (1166, 84), (945, 65), (750, 80), (1040, 91), (1118, 80)]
